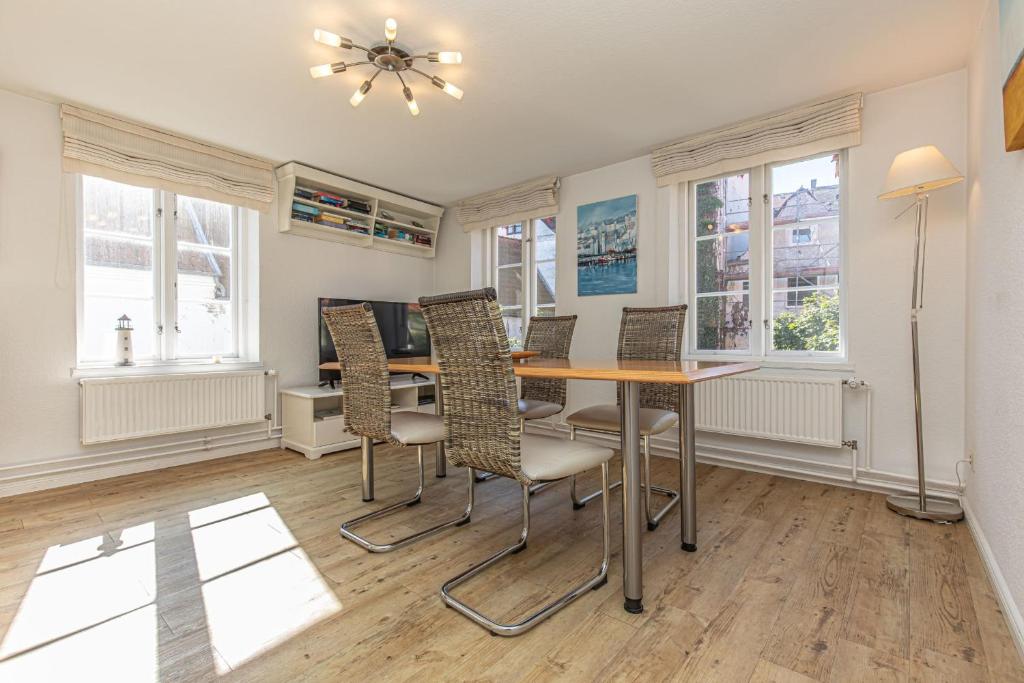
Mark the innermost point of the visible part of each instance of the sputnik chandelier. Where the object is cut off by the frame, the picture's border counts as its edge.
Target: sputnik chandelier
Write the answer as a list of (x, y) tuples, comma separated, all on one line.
[(385, 56)]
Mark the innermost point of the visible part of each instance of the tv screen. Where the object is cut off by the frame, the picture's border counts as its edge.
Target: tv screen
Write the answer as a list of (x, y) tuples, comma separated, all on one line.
[(403, 331)]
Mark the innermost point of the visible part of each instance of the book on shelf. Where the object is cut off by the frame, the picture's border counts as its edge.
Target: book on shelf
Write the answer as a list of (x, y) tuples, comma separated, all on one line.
[(305, 209)]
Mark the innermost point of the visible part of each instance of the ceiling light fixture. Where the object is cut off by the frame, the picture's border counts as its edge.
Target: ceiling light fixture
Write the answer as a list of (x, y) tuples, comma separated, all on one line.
[(386, 56)]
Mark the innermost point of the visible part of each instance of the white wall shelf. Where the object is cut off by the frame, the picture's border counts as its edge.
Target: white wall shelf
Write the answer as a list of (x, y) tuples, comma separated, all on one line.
[(313, 422), (388, 211)]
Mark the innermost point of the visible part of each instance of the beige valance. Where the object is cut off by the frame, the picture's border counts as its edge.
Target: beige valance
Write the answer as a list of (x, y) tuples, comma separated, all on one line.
[(126, 151), (533, 199), (821, 126)]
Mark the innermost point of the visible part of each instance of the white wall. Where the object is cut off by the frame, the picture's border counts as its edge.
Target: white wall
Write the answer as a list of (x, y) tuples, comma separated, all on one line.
[(995, 326), (880, 252), (38, 396)]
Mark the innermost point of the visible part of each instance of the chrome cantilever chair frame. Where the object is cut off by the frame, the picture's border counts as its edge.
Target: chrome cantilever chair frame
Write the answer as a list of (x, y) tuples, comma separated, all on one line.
[(363, 542), (367, 406), (482, 431), (593, 583), (653, 518), (645, 334)]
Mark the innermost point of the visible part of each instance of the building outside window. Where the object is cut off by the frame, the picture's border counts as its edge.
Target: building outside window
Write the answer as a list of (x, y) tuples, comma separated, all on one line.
[(766, 248), (524, 274), (173, 264)]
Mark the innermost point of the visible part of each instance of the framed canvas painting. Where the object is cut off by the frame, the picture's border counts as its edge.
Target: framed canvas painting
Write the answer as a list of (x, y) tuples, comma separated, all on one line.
[(606, 234), (1011, 39)]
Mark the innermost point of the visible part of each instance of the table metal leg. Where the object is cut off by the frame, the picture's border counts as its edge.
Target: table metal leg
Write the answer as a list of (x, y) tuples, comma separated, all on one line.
[(687, 469), (632, 502), (440, 464), (367, 448)]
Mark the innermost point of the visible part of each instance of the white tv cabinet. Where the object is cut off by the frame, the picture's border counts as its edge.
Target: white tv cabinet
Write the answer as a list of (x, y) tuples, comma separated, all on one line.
[(313, 422)]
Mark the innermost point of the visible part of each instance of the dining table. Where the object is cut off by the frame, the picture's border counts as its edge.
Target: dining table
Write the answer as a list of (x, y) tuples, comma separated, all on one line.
[(629, 374)]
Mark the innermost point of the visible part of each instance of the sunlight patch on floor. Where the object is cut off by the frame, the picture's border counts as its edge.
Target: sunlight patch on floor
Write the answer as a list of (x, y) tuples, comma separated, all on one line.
[(89, 609), (259, 588)]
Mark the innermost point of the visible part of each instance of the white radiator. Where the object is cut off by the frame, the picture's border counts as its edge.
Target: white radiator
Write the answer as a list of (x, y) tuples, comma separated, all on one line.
[(793, 409), (119, 408)]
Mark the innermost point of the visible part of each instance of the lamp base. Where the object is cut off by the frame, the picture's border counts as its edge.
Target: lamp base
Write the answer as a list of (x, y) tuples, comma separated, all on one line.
[(938, 510)]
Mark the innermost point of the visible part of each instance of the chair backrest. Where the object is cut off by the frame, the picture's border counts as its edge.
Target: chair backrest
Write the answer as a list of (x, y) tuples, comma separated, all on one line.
[(481, 413), (653, 334), (551, 337), (365, 381)]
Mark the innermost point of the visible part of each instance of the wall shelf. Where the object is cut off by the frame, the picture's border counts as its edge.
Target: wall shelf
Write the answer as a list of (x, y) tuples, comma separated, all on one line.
[(400, 209)]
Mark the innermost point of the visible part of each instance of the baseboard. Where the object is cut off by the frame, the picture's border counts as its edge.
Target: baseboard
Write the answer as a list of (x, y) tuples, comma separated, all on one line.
[(770, 463), (34, 477), (1011, 612)]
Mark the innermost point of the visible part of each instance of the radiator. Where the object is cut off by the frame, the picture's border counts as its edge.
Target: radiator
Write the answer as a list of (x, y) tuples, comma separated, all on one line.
[(798, 410), (119, 408)]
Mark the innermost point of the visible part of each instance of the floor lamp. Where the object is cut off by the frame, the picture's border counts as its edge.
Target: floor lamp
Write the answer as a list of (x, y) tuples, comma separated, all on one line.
[(917, 172)]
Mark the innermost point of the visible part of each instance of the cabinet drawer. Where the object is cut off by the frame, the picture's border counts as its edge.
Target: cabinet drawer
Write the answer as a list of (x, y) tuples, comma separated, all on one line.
[(326, 432)]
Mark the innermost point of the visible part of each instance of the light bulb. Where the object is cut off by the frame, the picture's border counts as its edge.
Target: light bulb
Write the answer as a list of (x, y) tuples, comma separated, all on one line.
[(453, 90), (359, 95), (323, 70), (449, 57), (390, 29), (414, 108), (332, 39)]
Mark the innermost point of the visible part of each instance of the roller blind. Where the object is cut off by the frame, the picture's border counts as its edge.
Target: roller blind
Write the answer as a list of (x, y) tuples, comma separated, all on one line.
[(811, 128), (129, 152), (533, 199)]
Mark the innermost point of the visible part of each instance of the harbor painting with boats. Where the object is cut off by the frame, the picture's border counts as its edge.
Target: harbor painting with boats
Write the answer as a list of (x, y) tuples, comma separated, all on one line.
[(606, 235)]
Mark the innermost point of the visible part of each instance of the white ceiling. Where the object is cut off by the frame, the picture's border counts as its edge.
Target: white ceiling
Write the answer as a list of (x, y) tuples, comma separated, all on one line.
[(552, 86)]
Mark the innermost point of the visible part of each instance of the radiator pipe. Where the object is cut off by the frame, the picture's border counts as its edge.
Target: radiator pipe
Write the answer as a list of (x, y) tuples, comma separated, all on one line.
[(854, 445)]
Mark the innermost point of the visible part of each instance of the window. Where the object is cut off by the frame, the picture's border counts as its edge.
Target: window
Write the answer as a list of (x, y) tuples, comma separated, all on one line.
[(173, 264), (777, 260), (524, 272)]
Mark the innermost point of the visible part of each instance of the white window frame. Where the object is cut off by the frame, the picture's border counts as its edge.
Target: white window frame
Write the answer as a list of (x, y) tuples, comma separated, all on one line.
[(761, 268), (244, 270), (528, 297)]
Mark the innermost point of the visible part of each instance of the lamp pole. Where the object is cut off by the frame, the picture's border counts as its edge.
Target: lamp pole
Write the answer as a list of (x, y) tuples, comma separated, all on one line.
[(921, 507)]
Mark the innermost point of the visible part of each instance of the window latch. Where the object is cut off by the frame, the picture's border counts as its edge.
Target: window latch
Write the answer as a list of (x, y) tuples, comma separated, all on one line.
[(159, 329), (176, 328), (766, 323), (159, 212)]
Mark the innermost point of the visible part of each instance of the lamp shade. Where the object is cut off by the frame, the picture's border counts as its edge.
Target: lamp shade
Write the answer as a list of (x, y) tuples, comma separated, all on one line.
[(918, 170)]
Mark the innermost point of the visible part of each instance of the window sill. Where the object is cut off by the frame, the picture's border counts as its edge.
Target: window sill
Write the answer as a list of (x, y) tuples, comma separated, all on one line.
[(163, 368), (822, 364)]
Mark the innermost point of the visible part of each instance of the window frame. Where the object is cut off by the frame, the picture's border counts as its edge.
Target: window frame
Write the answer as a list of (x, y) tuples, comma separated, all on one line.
[(761, 288), (528, 263), (165, 286)]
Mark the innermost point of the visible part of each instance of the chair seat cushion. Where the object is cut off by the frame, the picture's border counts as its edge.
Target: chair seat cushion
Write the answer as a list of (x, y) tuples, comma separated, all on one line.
[(412, 428), (605, 418), (531, 409), (547, 458)]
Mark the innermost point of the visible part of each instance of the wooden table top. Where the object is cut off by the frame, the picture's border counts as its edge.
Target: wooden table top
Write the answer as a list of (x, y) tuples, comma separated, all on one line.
[(658, 372)]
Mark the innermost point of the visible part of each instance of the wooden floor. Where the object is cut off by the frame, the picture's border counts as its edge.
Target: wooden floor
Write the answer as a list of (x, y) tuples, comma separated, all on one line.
[(233, 570)]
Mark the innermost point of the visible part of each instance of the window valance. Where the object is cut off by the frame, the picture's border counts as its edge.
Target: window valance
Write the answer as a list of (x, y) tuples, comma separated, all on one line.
[(820, 126), (533, 199), (129, 152)]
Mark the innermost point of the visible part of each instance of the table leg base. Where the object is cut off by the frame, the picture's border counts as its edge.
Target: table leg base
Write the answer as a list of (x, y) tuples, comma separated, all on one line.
[(634, 606), (367, 500), (690, 547), (651, 526)]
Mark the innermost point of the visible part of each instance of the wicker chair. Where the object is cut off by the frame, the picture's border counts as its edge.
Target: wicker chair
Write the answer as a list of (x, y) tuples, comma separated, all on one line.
[(481, 419), (551, 337), (366, 401), (644, 334)]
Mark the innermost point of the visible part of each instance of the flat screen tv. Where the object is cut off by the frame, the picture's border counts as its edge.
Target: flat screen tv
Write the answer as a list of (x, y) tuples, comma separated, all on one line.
[(402, 330)]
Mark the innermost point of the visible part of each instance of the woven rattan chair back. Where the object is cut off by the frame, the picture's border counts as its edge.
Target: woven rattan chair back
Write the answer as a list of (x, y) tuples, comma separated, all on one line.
[(481, 413), (653, 334), (365, 382), (551, 337)]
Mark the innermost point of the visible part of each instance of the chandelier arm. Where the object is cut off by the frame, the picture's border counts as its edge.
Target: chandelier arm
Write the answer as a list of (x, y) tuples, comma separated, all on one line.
[(360, 47), (375, 74), (421, 73), (399, 74)]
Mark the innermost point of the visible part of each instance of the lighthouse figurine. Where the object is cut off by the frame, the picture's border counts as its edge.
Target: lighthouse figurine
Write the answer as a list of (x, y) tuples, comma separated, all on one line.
[(125, 355)]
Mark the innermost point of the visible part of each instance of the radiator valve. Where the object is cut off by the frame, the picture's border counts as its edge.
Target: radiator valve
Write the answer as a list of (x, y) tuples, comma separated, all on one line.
[(855, 383)]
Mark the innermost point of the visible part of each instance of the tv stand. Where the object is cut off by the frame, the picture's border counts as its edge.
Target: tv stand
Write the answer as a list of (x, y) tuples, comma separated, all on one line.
[(313, 422), (327, 382)]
